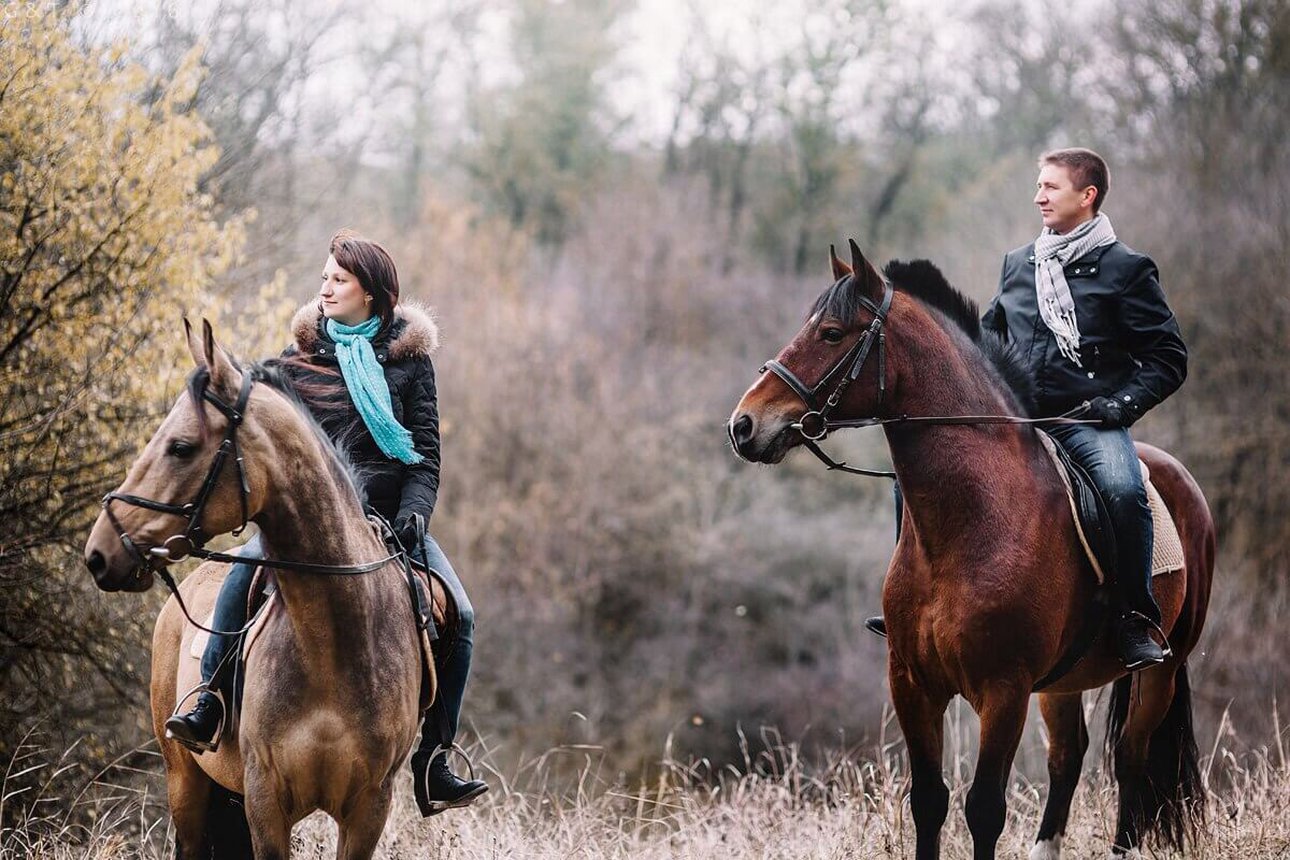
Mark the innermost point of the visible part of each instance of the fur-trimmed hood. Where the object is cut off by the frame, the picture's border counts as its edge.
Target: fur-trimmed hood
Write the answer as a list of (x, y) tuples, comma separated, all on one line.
[(414, 334)]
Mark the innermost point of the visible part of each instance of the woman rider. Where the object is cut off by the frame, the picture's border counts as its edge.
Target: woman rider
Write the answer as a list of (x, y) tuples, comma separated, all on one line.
[(361, 362)]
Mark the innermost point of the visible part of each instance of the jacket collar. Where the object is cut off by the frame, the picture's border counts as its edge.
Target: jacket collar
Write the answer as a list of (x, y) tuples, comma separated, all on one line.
[(413, 334)]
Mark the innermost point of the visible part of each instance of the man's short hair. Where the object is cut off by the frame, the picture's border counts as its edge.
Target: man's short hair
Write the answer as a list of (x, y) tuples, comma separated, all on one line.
[(1086, 168)]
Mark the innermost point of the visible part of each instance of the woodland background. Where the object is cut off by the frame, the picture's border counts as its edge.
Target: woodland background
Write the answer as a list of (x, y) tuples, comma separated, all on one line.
[(614, 239)]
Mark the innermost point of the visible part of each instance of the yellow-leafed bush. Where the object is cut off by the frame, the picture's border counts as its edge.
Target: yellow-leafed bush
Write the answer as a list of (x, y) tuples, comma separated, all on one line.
[(106, 240)]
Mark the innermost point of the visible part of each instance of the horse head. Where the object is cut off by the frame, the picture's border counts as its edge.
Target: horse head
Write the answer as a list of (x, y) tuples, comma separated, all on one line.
[(188, 484), (833, 367)]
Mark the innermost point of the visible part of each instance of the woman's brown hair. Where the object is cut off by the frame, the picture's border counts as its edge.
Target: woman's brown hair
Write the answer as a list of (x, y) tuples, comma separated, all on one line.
[(374, 268)]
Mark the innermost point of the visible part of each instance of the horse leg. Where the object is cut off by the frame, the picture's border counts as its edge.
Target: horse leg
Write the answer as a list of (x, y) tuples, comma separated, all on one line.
[(1003, 717), (1067, 743), (1155, 758), (922, 723), (270, 824), (361, 827), (189, 790)]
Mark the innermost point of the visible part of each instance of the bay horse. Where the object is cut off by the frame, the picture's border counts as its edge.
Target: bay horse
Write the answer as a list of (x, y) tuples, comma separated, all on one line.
[(330, 706), (988, 585)]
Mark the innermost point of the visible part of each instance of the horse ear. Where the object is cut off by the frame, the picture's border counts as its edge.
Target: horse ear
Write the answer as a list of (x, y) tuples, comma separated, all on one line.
[(840, 269), (194, 344), (223, 373), (870, 280)]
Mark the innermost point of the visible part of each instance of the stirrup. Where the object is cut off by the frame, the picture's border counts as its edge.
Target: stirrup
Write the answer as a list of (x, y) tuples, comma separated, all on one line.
[(435, 807), (1165, 647), (446, 750), (200, 746)]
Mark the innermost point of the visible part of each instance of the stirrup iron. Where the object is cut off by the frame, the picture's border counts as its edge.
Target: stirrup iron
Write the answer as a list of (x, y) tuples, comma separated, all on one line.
[(435, 807), (201, 746), (1165, 648), (448, 749)]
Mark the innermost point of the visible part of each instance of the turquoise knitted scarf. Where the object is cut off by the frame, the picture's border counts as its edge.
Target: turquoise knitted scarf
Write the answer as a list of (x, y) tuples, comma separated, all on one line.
[(367, 387)]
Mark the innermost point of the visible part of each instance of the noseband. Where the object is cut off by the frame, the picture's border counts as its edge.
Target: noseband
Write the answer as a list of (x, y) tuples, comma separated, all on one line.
[(814, 425)]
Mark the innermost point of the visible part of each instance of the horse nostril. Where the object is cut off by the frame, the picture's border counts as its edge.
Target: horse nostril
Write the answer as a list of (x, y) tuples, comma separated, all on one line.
[(96, 563), (741, 430)]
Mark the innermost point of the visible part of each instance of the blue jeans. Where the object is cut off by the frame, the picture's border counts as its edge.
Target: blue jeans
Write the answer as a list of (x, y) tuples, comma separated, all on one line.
[(230, 606), (452, 668), (1111, 461)]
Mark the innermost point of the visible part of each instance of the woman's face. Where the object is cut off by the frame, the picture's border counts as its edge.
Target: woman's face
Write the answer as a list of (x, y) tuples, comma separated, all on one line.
[(343, 297)]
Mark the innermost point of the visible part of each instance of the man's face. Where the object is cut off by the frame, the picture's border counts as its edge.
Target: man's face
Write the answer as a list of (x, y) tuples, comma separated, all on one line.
[(1062, 206)]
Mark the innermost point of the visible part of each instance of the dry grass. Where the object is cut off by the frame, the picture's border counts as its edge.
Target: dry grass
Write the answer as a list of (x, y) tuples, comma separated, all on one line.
[(774, 805)]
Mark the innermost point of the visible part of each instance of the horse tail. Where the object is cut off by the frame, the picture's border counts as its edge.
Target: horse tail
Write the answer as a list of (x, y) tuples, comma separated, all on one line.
[(1166, 796), (227, 830)]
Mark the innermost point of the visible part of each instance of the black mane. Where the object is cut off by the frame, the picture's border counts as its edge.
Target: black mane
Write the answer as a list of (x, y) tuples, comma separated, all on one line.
[(922, 280), (271, 374)]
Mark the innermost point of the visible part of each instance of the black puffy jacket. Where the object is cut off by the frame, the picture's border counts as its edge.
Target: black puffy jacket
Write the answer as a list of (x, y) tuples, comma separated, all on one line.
[(403, 348), (1130, 348)]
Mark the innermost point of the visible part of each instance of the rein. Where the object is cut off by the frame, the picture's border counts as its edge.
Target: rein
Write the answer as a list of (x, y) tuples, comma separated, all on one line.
[(192, 541), (815, 425)]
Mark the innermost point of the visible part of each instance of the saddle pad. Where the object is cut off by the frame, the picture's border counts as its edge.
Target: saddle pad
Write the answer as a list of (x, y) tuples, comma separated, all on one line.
[(1166, 550)]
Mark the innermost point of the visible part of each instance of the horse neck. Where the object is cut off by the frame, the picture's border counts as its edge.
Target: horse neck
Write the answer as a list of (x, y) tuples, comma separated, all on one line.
[(307, 515), (954, 477)]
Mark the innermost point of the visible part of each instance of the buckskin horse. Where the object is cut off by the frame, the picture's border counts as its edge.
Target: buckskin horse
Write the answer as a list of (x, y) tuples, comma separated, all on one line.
[(330, 706), (988, 585)]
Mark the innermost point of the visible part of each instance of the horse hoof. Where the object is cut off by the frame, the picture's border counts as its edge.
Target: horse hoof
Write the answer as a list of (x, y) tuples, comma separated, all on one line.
[(1047, 849)]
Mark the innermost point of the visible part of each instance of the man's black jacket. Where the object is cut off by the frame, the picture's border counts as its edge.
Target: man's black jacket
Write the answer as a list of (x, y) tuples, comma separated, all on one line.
[(1130, 348)]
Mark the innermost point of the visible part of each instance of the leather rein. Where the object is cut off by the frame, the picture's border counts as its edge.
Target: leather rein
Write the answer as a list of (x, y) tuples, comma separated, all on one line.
[(192, 540), (815, 425)]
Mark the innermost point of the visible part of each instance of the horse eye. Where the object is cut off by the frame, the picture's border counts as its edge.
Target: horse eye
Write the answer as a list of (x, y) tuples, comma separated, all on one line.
[(180, 448), (832, 335)]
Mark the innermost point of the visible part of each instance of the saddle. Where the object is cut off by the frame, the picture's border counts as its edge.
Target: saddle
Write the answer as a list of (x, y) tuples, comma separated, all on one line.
[(1096, 531)]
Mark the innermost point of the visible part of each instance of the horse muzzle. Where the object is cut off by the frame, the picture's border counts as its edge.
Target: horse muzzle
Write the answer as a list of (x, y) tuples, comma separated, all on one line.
[(117, 577), (757, 442), (112, 565)]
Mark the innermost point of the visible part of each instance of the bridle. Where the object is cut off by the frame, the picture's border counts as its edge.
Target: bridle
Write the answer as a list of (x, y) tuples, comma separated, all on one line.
[(192, 540), (815, 425), (180, 546)]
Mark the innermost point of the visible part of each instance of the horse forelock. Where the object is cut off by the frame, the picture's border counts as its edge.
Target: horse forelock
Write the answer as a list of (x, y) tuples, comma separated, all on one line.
[(198, 381), (842, 301)]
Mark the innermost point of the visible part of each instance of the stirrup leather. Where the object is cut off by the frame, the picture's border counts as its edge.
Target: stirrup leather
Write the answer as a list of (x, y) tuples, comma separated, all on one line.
[(198, 746)]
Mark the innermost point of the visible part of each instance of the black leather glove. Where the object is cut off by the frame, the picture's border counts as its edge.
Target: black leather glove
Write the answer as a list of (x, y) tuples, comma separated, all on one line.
[(411, 531), (1109, 411)]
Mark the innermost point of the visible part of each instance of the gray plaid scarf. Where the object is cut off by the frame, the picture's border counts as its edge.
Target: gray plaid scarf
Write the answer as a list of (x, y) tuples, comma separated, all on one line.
[(1052, 252)]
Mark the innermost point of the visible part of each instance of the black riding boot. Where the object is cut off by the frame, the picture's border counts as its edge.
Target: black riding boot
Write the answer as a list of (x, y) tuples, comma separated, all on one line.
[(1137, 649), (436, 787), (200, 728)]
